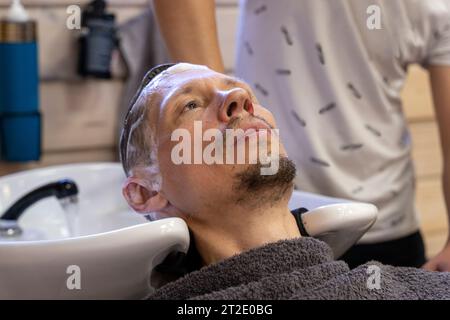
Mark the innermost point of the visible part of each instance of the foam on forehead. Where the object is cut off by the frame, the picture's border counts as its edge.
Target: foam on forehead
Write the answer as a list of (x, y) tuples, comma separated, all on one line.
[(178, 68), (184, 66)]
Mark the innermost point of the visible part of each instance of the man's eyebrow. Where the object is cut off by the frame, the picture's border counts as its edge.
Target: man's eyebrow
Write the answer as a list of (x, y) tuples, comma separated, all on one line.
[(184, 90), (232, 82), (189, 88)]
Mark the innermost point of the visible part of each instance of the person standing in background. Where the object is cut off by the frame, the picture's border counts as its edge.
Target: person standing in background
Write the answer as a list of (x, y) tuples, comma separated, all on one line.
[(333, 83)]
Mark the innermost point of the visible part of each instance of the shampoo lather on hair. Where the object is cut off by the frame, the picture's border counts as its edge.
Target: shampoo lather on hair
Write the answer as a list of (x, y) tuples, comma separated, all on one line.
[(20, 120)]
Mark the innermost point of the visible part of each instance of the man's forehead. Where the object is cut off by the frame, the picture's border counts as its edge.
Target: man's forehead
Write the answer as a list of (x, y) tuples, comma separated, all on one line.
[(173, 82), (181, 78), (178, 72), (185, 82), (174, 78)]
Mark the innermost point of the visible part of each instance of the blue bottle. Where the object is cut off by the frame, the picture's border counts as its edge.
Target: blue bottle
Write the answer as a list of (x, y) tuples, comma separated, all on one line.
[(20, 120)]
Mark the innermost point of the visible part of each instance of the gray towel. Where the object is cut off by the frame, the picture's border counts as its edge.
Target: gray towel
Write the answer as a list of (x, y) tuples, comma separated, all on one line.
[(303, 268)]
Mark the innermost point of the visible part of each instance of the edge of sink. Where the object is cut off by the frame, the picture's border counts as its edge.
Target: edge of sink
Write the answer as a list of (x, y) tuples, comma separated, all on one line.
[(158, 224)]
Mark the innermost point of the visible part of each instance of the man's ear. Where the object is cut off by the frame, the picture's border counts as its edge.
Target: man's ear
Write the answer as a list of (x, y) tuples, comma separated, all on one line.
[(141, 197)]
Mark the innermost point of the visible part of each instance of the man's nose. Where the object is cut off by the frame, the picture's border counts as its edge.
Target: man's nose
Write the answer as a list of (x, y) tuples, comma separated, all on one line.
[(237, 101)]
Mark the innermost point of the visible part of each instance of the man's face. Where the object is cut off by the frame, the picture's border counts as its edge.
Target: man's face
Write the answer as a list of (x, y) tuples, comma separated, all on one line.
[(194, 101)]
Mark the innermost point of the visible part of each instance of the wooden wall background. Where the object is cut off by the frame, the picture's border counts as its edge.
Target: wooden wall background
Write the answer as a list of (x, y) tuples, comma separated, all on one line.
[(80, 117)]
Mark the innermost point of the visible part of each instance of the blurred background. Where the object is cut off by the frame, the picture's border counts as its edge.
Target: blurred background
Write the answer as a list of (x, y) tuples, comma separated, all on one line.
[(81, 117)]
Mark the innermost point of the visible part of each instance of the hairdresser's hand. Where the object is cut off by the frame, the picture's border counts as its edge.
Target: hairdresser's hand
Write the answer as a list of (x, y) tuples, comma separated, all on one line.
[(441, 262)]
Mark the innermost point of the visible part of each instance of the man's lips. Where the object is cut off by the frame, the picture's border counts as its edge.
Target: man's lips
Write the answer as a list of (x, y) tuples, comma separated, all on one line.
[(256, 125), (254, 122)]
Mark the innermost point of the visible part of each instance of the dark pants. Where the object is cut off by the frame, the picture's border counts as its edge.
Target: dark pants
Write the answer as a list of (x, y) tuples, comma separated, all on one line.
[(404, 252)]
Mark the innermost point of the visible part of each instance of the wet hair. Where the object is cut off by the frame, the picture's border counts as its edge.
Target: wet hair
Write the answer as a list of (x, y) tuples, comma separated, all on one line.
[(136, 138)]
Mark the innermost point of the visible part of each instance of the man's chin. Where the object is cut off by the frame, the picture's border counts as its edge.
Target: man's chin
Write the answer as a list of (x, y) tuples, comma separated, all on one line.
[(250, 183)]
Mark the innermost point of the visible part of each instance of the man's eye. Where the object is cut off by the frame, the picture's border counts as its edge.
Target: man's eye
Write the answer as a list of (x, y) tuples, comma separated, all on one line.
[(191, 105)]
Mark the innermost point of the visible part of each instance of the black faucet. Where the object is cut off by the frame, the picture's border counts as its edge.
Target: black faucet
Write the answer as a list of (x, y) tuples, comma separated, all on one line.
[(60, 189)]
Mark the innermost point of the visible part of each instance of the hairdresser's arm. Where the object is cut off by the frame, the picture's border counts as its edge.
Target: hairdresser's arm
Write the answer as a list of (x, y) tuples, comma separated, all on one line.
[(440, 82), (189, 30)]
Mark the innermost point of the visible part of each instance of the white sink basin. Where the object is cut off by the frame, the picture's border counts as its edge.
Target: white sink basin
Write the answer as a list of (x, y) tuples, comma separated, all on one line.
[(113, 254)]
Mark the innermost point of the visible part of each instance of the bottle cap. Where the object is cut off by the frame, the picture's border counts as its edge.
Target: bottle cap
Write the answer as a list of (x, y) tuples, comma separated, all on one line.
[(16, 26), (17, 12)]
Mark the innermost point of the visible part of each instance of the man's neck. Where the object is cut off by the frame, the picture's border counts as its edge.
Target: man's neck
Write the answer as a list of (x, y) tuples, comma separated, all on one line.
[(241, 230)]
